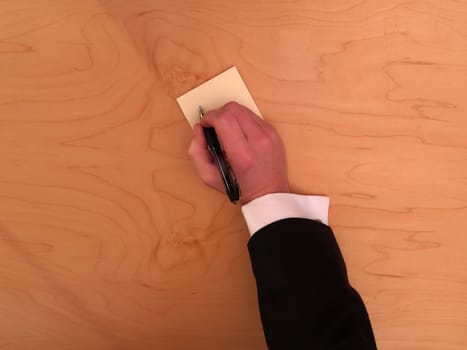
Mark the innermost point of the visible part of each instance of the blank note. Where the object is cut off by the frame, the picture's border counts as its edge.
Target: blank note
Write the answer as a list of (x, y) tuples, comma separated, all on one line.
[(225, 87)]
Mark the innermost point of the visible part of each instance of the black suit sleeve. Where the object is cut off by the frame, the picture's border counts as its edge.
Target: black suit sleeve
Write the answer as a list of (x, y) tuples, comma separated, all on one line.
[(305, 299)]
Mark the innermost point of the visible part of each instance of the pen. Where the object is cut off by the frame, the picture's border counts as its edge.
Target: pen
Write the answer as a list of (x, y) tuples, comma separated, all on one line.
[(225, 170)]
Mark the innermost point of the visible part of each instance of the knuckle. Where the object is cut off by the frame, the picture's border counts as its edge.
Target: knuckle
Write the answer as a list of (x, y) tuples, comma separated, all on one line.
[(231, 105), (226, 116), (271, 132), (246, 161), (191, 150), (208, 179), (205, 178), (273, 136), (225, 120), (266, 141)]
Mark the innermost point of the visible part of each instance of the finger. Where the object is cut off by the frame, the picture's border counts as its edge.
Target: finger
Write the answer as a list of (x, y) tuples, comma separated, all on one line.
[(203, 161), (248, 122)]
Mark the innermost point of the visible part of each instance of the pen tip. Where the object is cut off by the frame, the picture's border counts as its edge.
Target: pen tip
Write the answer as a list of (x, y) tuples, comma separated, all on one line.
[(201, 111)]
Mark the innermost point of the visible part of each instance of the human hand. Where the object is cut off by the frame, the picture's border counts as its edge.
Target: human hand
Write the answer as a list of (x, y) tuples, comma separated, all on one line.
[(252, 146)]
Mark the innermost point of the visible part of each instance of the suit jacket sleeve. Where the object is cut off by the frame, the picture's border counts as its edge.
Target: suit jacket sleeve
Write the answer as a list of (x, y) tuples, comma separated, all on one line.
[(305, 299)]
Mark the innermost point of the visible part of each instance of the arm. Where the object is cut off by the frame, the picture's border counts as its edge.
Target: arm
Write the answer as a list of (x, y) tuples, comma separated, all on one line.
[(305, 298)]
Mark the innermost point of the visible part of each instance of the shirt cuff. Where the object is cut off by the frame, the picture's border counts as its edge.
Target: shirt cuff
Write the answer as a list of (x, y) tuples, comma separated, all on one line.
[(269, 208)]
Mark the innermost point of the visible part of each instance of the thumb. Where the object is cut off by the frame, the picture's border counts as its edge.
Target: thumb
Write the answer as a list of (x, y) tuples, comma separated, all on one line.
[(203, 161)]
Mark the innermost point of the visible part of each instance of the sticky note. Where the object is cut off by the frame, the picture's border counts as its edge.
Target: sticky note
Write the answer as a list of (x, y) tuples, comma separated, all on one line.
[(214, 93)]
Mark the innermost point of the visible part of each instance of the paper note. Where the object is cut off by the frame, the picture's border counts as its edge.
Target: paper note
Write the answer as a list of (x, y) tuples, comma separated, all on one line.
[(227, 86)]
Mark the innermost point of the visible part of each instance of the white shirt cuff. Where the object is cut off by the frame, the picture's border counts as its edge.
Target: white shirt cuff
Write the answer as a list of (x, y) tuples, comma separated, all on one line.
[(269, 208)]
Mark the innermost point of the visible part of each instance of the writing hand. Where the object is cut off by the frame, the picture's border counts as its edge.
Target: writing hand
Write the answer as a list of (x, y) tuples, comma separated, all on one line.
[(252, 146)]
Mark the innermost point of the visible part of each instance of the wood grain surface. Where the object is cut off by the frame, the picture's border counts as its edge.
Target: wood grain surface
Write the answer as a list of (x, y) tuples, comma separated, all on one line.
[(108, 239)]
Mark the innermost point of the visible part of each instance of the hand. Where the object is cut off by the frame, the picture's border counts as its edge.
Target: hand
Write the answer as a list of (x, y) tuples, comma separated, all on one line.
[(253, 149)]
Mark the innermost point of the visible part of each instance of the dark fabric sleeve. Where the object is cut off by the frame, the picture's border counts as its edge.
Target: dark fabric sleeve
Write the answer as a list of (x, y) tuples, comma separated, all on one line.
[(305, 299)]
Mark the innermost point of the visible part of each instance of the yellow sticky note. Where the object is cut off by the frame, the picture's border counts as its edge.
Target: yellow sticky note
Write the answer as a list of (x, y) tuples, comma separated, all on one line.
[(225, 87)]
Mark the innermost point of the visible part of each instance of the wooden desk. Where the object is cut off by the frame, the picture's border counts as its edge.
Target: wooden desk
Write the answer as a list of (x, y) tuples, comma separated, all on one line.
[(108, 240)]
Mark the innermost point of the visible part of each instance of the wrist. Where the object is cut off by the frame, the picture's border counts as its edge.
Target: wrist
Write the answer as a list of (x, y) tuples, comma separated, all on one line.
[(245, 199)]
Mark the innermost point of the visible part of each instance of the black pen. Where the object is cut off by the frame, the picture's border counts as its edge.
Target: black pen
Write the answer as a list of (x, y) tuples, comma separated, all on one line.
[(225, 170)]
